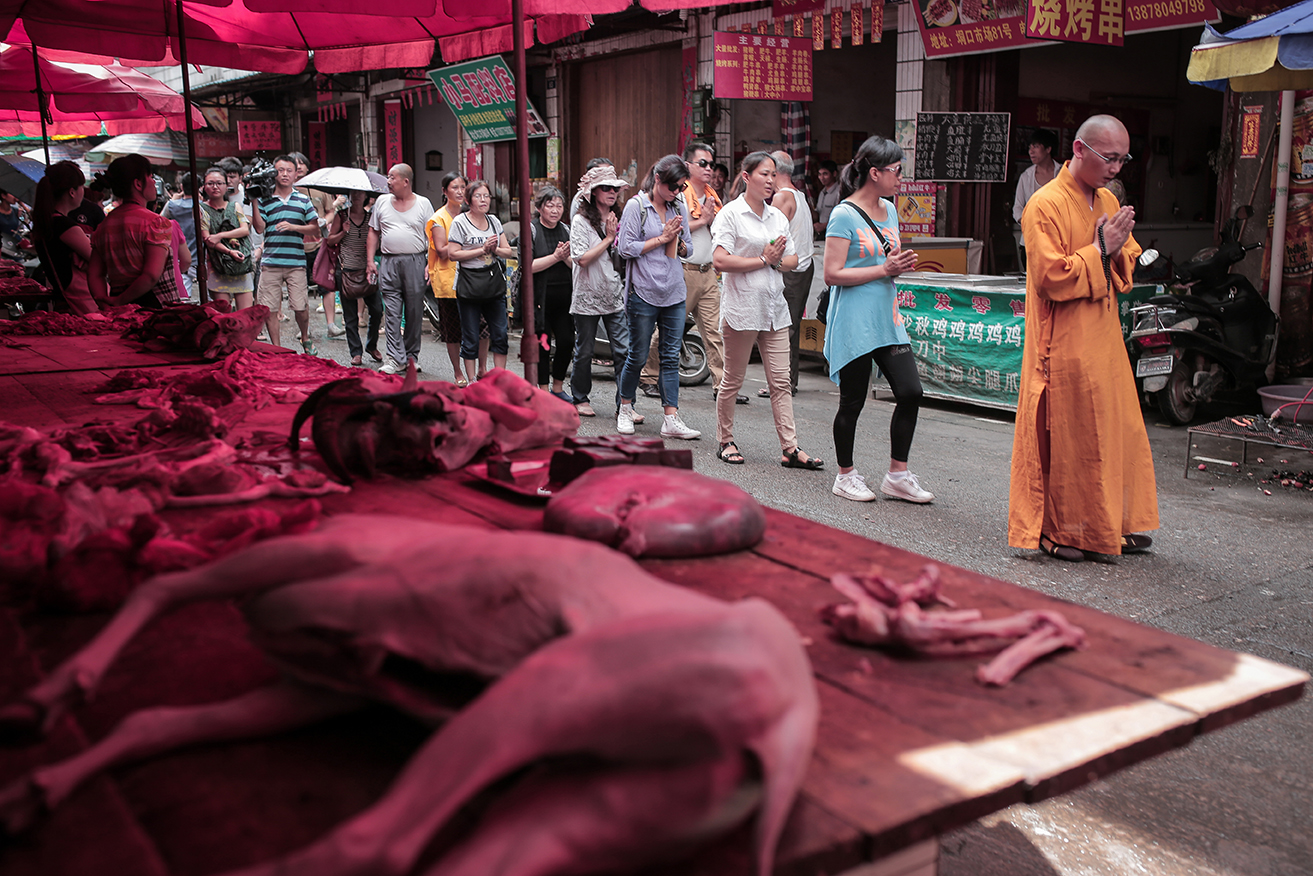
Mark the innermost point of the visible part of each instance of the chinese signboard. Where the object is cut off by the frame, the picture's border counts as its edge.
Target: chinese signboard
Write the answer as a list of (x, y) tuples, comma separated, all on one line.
[(916, 209), (759, 67), (967, 342), (783, 8), (392, 151), (1249, 128), (316, 143), (962, 147), (1076, 21), (482, 95), (214, 144), (260, 136), (967, 27)]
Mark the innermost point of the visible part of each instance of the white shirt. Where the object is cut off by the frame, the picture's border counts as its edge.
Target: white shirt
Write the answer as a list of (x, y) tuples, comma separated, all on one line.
[(401, 233), (826, 201), (800, 228), (1026, 187), (752, 301)]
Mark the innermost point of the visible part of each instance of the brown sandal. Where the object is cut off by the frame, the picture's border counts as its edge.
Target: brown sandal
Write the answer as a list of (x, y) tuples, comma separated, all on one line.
[(1061, 551)]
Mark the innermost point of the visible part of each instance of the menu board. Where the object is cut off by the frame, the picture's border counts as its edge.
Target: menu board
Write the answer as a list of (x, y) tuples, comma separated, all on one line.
[(762, 67), (962, 147)]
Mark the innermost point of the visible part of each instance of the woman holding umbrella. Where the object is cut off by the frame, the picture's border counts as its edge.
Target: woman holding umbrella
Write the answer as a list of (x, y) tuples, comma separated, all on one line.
[(348, 233)]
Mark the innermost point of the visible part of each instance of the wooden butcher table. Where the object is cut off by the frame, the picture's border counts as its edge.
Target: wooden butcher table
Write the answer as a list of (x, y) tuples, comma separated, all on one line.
[(907, 749)]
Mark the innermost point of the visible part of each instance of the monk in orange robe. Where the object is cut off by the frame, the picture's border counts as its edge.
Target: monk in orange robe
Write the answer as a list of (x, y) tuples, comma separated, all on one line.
[(1082, 473)]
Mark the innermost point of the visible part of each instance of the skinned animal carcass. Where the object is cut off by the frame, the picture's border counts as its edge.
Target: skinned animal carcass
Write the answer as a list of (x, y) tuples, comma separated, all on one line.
[(365, 425), (690, 714)]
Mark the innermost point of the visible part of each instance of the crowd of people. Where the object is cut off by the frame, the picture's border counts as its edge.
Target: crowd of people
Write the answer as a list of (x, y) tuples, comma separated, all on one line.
[(733, 253)]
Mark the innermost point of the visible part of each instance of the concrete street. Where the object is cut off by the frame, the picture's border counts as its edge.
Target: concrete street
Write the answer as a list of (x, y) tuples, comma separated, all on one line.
[(1231, 566)]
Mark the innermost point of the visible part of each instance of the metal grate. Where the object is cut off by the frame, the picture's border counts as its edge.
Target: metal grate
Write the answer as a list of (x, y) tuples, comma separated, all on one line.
[(1258, 429)]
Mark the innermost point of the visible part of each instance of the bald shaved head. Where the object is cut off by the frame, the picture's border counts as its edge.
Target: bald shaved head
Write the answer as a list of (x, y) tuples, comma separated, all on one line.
[(401, 181), (1100, 127), (407, 172)]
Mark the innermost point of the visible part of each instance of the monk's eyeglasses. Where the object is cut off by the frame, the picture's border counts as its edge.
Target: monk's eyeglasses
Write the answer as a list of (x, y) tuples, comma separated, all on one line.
[(1119, 160)]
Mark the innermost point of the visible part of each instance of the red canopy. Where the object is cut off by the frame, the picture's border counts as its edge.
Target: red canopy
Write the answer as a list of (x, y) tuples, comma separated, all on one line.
[(79, 97)]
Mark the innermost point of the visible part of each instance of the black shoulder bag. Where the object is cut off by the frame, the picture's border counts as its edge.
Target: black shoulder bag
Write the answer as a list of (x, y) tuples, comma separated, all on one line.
[(485, 281), (823, 303)]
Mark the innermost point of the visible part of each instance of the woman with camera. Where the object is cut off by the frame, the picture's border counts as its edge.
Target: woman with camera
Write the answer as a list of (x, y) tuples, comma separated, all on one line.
[(226, 234)]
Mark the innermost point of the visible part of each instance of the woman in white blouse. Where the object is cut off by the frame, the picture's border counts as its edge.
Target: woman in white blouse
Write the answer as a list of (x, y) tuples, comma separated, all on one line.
[(751, 247)]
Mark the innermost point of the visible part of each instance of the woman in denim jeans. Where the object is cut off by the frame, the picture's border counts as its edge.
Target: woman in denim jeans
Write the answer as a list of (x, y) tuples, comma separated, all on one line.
[(653, 236)]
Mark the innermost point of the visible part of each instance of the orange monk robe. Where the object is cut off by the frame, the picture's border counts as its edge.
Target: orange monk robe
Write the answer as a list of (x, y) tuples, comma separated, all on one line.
[(1076, 375)]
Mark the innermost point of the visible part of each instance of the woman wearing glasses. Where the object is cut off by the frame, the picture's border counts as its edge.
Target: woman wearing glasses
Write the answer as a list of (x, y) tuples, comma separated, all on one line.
[(653, 235), (863, 254)]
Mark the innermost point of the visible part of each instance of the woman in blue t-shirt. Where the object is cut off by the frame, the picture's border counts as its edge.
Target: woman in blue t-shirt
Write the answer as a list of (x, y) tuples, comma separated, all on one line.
[(863, 254)]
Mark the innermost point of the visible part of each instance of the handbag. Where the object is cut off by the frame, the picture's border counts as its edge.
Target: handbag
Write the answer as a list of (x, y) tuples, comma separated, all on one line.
[(481, 283), (325, 263), (223, 263), (823, 303), (353, 285)]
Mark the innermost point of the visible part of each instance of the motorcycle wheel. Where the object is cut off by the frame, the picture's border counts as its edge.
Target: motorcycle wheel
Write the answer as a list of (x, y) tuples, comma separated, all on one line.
[(431, 311), (694, 367), (1173, 400)]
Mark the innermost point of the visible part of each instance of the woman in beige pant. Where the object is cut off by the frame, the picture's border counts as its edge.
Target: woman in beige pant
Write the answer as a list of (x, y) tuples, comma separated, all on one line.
[(751, 247)]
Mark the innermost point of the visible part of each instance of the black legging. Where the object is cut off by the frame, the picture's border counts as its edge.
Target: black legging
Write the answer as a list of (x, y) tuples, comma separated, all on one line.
[(558, 324), (898, 365)]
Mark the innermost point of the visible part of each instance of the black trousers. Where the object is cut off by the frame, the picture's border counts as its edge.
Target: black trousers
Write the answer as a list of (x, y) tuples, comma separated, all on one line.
[(898, 364), (558, 325)]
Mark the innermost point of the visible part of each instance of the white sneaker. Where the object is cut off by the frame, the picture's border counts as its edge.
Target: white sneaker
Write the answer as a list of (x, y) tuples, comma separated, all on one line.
[(635, 415), (905, 487), (624, 420), (335, 330), (852, 486), (391, 367), (319, 309), (674, 428)]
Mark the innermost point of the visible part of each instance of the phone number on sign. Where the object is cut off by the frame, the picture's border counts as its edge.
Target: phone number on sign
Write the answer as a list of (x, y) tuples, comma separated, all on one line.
[(1167, 9)]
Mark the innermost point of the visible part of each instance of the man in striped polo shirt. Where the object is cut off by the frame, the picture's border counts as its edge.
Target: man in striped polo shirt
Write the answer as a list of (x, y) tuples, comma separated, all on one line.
[(285, 218)]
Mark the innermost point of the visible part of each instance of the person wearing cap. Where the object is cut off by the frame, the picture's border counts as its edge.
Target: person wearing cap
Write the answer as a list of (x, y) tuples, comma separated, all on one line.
[(598, 294)]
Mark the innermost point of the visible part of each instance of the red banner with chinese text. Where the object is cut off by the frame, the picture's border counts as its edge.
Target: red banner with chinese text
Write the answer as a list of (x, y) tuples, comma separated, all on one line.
[(968, 27), (316, 144), (756, 67), (780, 8), (392, 151), (1250, 124), (1097, 22), (260, 136)]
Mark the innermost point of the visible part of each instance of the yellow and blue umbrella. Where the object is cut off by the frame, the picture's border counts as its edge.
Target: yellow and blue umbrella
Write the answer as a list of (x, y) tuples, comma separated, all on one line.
[(1273, 53)]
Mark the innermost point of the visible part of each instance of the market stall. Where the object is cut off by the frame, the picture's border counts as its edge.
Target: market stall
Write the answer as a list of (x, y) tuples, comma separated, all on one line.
[(967, 332), (907, 748)]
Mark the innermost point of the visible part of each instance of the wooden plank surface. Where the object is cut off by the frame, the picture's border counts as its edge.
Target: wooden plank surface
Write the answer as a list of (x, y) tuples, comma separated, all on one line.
[(57, 353)]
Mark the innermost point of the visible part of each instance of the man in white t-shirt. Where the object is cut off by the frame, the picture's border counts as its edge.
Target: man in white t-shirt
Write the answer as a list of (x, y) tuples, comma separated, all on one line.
[(828, 197), (396, 229), (798, 282)]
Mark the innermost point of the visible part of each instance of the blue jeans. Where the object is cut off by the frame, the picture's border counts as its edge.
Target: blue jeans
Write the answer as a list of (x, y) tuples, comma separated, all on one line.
[(645, 318), (585, 337), (493, 311)]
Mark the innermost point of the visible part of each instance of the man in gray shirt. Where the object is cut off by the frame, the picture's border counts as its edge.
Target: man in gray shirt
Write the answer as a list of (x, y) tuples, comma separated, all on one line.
[(396, 229)]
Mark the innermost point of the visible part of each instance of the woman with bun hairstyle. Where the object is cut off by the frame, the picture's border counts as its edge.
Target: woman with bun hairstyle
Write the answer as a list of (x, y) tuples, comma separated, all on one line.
[(131, 261), (863, 253), (63, 245)]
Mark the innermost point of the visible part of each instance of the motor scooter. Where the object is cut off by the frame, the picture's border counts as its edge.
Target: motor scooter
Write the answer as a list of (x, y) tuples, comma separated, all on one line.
[(1215, 334), (694, 367)]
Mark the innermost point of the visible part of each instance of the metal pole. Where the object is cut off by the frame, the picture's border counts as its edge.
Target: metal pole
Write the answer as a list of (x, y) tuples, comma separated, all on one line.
[(40, 103), (201, 255), (529, 340), (1276, 267)]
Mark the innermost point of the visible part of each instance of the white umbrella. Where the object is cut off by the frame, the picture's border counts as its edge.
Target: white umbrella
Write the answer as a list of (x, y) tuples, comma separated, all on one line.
[(344, 180)]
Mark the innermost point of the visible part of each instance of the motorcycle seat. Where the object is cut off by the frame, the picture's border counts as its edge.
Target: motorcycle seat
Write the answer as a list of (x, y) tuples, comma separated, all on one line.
[(1190, 303)]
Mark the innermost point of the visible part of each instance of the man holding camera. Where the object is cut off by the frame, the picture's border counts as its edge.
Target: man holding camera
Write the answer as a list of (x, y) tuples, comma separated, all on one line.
[(285, 217)]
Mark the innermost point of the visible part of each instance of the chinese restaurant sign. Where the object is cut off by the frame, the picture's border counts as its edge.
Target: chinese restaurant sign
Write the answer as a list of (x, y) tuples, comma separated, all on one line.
[(1076, 21), (482, 95), (260, 136), (761, 67), (968, 27), (967, 342)]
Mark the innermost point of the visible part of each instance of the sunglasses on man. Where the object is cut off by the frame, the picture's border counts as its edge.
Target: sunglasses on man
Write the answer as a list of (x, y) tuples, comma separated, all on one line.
[(703, 162)]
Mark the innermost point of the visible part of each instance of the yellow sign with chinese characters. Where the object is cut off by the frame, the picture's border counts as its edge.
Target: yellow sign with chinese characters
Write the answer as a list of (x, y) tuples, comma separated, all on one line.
[(1097, 22)]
